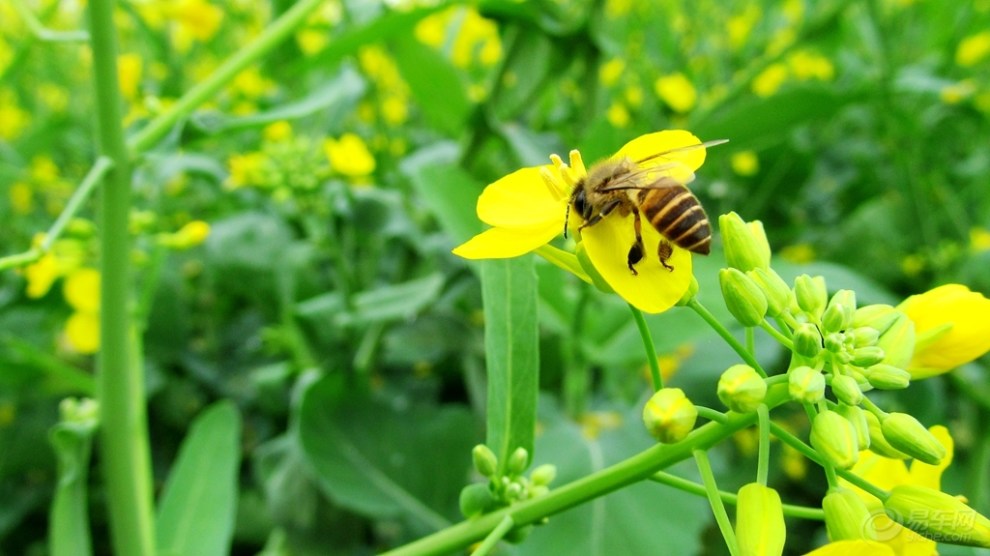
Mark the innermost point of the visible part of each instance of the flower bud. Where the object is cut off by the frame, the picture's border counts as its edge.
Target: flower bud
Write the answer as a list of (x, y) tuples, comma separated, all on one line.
[(742, 297), (806, 384), (907, 435), (484, 460), (476, 499), (846, 516), (887, 377), (840, 310), (857, 418), (835, 439), (741, 388), (807, 340), (835, 342), (937, 516), (846, 389), (778, 295), (878, 317), (543, 475), (759, 521), (669, 415), (878, 443), (745, 244), (690, 293), (867, 356), (811, 295), (864, 336), (898, 341), (518, 461)]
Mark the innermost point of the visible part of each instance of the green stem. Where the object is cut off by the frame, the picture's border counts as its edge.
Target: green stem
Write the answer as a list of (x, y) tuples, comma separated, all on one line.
[(43, 33), (726, 335), (763, 459), (791, 510), (120, 377), (777, 335), (496, 535), (718, 508), (636, 468), (274, 34), (651, 350)]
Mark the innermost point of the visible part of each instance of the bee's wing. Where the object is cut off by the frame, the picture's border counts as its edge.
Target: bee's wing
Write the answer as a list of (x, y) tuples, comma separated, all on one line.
[(685, 148), (644, 178)]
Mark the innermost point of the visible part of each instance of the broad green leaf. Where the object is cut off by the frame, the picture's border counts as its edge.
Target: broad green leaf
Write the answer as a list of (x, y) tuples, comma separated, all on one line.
[(509, 292), (199, 502), (530, 66), (450, 193), (434, 82), (68, 533), (386, 460), (381, 304)]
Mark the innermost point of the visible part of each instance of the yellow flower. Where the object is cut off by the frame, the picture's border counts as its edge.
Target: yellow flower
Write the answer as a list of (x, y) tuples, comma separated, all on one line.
[(973, 49), (610, 72), (955, 93), (745, 163), (40, 275), (769, 80), (677, 92), (277, 131), (859, 547), (245, 169), (951, 328), (129, 74), (349, 156), (21, 198), (13, 119), (528, 208), (81, 290), (979, 239), (82, 330), (887, 473), (192, 234), (617, 115)]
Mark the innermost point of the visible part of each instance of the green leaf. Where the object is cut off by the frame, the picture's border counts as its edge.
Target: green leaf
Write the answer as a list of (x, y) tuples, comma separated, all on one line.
[(775, 114), (381, 304), (383, 460), (509, 292), (199, 502), (434, 82), (450, 193), (69, 526)]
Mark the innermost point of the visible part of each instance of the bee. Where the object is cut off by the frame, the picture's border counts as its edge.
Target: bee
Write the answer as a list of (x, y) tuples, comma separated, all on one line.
[(622, 185)]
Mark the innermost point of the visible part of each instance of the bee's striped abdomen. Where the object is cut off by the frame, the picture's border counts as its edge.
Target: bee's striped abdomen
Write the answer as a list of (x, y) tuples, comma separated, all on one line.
[(676, 213)]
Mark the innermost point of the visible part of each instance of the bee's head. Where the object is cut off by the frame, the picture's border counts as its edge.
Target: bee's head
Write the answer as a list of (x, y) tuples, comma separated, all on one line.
[(579, 200)]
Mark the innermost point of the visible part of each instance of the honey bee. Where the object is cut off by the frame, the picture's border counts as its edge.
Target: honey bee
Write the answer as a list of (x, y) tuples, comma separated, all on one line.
[(622, 185)]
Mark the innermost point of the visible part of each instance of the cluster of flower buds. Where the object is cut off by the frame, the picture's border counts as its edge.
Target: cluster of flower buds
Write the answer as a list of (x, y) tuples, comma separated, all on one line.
[(503, 487)]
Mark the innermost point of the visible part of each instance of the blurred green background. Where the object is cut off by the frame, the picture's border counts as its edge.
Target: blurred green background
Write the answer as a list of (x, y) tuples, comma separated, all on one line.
[(293, 236)]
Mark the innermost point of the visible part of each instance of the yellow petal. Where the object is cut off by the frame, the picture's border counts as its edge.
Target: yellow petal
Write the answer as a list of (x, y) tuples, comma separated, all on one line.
[(883, 472), (651, 144), (521, 199), (655, 289), (930, 476), (968, 337), (82, 330), (501, 243)]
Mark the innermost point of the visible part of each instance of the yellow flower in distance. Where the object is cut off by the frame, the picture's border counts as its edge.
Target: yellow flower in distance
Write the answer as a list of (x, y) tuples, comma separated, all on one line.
[(349, 156), (951, 328), (677, 92), (528, 208)]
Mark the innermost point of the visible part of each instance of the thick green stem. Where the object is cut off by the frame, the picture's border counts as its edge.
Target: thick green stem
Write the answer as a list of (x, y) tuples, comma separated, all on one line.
[(636, 468), (120, 379), (708, 317), (680, 483)]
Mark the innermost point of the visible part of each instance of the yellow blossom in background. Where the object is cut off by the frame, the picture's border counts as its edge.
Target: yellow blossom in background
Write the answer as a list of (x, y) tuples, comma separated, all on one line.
[(594, 423), (277, 131), (617, 115), (82, 331), (979, 239), (610, 72), (769, 80), (741, 25), (194, 21), (251, 84), (40, 275), (349, 156), (21, 198), (886, 473), (799, 253), (81, 289), (676, 91), (633, 95), (395, 109), (129, 68), (973, 49), (745, 163), (316, 34), (957, 92), (53, 97), (191, 235), (951, 328), (479, 37), (13, 119), (805, 65), (528, 208), (245, 169)]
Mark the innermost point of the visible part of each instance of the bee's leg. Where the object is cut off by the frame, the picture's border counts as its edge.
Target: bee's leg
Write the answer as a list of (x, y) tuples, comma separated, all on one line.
[(664, 251), (637, 250)]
